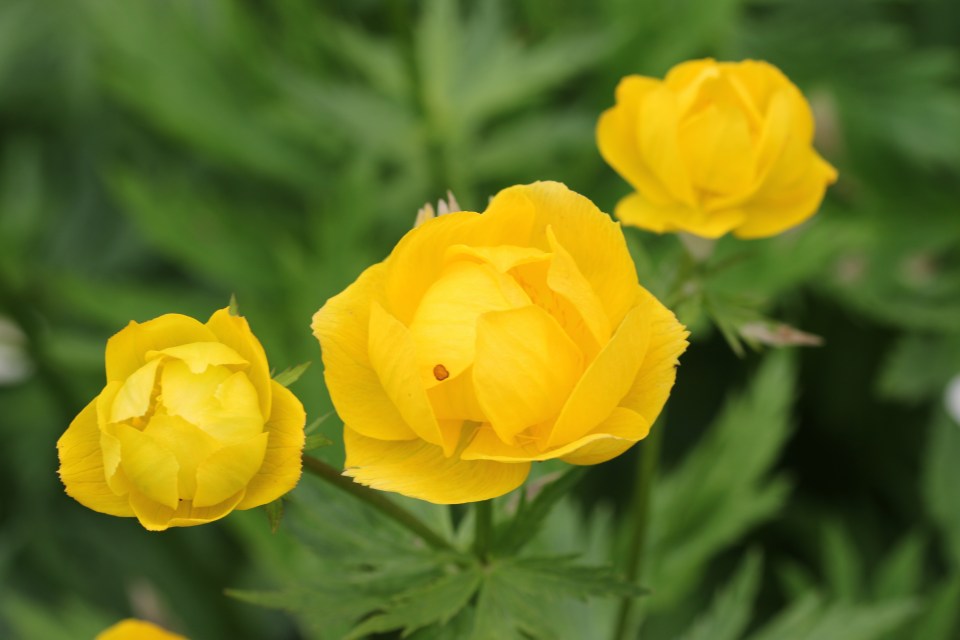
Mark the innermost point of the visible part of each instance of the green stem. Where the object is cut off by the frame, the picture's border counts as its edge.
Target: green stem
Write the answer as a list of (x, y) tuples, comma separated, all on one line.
[(639, 523), (376, 500), (483, 514)]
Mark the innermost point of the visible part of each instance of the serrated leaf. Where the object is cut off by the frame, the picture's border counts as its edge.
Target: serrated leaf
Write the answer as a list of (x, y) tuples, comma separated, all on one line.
[(288, 376), (560, 575), (731, 609), (274, 511), (530, 516), (435, 603)]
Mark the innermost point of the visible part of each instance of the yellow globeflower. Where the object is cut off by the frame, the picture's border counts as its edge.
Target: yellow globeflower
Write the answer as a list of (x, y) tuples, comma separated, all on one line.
[(188, 427), (487, 341), (131, 629), (715, 147)]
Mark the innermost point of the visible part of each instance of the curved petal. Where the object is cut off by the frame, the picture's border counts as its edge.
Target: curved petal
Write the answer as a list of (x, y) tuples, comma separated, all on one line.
[(454, 399), (636, 211), (393, 354), (565, 278), (133, 397), (282, 464), (189, 444), (619, 144), (658, 131), (223, 403), (137, 630), (228, 470), (157, 517), (655, 377), (81, 466), (716, 144), (234, 331), (419, 257), (150, 468), (606, 381), (593, 240), (342, 327), (127, 350), (200, 355), (524, 369), (614, 435), (420, 470)]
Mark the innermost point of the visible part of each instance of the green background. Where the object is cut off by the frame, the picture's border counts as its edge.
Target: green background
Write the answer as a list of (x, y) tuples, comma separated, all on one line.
[(157, 156)]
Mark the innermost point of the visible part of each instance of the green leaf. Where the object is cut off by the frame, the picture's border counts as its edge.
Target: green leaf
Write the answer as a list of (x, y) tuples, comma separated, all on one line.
[(941, 477), (810, 619), (316, 441), (233, 307), (901, 572), (530, 516), (729, 613), (288, 376), (841, 562), (723, 487), (919, 366), (435, 603), (940, 619), (274, 511), (559, 575)]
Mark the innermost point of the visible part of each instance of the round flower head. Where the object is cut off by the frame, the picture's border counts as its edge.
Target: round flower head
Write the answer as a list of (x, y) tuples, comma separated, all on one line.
[(131, 629), (488, 341), (715, 147), (188, 427)]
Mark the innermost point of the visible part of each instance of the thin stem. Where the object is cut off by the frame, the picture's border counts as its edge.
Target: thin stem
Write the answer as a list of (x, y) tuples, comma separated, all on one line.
[(639, 523), (483, 514), (376, 500)]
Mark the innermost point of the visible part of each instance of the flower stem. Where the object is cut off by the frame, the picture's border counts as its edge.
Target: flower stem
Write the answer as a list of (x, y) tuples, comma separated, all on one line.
[(376, 500), (483, 514), (639, 523)]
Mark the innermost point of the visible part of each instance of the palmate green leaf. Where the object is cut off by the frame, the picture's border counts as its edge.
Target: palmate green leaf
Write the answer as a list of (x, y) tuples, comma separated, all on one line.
[(811, 619), (941, 477), (730, 612), (528, 520), (434, 603), (290, 375), (723, 488)]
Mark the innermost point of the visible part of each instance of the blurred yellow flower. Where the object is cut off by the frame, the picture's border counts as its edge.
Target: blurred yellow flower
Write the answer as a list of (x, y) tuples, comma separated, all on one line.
[(188, 427), (487, 341), (131, 629), (715, 147)]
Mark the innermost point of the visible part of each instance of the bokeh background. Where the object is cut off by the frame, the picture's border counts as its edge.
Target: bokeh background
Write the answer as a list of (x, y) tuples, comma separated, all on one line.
[(158, 156)]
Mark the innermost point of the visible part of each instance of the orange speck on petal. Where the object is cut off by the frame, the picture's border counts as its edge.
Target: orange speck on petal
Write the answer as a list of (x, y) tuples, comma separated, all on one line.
[(440, 372)]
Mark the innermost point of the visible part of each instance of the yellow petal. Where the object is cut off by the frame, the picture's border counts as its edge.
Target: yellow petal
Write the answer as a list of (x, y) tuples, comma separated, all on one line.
[(133, 397), (281, 466), (419, 257), (713, 224), (454, 399), (148, 466), (619, 144), (636, 211), (606, 381), (342, 327), (651, 387), (525, 368), (614, 435), (393, 354), (228, 470), (593, 240), (189, 444), (131, 629), (565, 278), (225, 404), (444, 327), (234, 331), (620, 431), (716, 144), (420, 470), (200, 355), (81, 466), (659, 143), (154, 516), (503, 258), (127, 350)]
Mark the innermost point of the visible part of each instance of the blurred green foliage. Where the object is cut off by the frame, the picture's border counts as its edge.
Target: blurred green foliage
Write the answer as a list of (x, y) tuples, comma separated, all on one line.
[(160, 155)]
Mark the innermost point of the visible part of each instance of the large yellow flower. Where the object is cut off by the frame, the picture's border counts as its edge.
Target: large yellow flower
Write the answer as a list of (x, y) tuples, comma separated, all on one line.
[(188, 427), (131, 629), (714, 148), (487, 341)]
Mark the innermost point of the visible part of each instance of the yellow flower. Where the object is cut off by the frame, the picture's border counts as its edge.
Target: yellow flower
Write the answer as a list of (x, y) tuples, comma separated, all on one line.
[(487, 341), (714, 148), (188, 427), (131, 629)]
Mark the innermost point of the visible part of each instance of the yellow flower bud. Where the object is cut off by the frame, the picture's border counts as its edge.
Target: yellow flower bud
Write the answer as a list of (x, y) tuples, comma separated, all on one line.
[(485, 342), (188, 427), (715, 147), (131, 629)]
